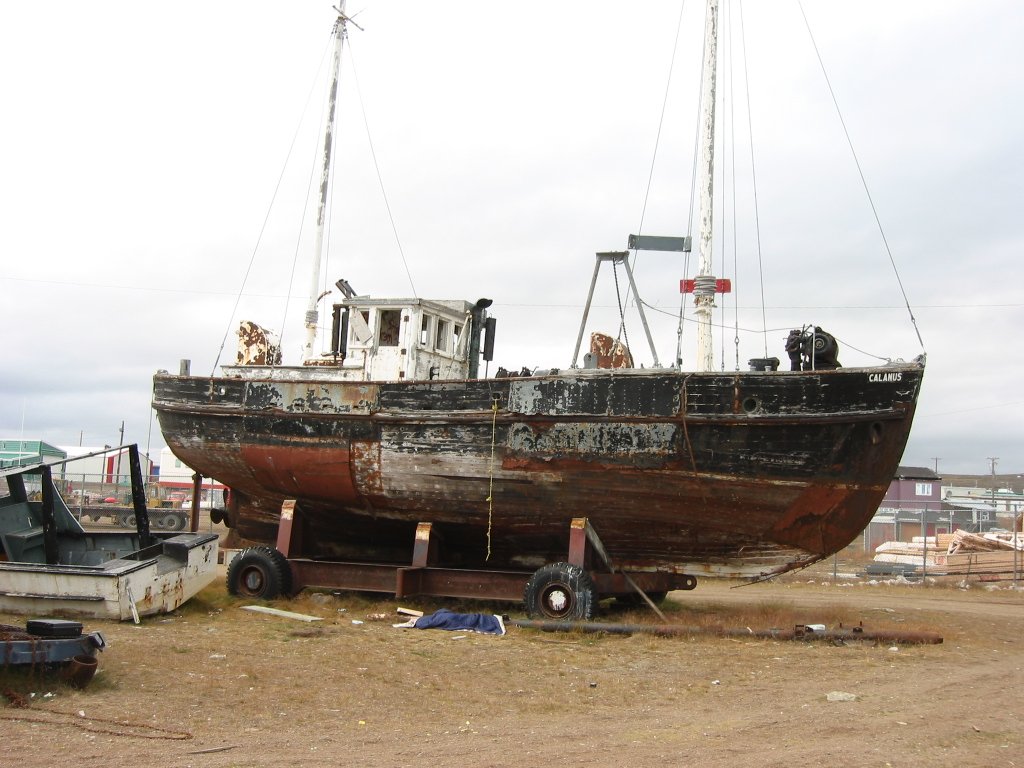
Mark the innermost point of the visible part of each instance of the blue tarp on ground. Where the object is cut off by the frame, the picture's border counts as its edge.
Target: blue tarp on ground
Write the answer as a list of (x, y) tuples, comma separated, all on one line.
[(470, 622)]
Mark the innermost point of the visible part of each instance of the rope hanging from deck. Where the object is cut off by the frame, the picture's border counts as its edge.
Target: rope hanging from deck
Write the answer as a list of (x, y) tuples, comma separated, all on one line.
[(490, 473)]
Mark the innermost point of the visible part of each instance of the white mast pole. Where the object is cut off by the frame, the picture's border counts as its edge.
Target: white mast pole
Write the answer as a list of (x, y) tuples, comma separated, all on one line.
[(704, 293), (312, 316)]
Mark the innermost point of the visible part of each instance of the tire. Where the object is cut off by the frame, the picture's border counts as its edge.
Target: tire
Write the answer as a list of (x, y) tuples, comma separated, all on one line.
[(260, 572), (173, 522), (128, 520), (560, 591), (218, 515)]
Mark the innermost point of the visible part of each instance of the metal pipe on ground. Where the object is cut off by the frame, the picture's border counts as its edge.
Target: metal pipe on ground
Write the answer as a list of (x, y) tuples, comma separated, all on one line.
[(799, 632)]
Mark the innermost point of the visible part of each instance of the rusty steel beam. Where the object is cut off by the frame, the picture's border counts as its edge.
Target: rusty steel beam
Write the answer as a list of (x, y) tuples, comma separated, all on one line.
[(365, 577), (800, 632), (578, 542), (609, 584), (424, 551), (288, 529), (453, 582), (406, 581)]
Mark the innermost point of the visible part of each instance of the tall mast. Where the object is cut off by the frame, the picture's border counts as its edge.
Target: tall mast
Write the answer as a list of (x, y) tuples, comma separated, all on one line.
[(312, 316), (704, 292)]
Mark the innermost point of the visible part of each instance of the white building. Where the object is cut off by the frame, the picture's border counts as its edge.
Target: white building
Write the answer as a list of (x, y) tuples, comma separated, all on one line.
[(177, 476), (113, 467)]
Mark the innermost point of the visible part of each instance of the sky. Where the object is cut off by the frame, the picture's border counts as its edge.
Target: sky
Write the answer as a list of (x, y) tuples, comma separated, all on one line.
[(155, 162)]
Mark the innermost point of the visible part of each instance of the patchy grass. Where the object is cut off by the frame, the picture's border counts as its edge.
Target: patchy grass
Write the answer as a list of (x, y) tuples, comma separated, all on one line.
[(275, 690)]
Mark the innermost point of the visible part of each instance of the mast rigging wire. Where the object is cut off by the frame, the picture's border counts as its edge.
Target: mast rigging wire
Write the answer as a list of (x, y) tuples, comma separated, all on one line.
[(266, 218), (735, 236), (622, 316), (380, 178), (298, 239), (753, 178), (863, 180), (654, 154)]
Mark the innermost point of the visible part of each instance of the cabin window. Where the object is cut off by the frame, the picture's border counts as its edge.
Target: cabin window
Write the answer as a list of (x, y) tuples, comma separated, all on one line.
[(390, 324), (425, 331), (924, 489), (456, 337), (359, 327), (442, 336)]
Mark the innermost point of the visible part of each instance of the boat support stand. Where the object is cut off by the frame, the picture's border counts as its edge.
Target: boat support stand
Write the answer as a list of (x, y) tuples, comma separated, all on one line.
[(425, 576)]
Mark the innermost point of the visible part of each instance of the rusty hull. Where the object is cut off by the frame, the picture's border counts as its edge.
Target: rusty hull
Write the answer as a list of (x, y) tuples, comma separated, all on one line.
[(743, 474)]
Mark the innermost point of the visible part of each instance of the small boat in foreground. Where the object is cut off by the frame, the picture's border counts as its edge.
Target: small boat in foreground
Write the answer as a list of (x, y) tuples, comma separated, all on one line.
[(51, 566)]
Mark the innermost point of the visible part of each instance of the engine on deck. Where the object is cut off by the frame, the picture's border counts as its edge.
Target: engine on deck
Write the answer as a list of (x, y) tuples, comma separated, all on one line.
[(812, 349)]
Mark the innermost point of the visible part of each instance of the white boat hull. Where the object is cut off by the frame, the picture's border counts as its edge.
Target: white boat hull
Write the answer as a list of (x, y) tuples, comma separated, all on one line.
[(121, 589)]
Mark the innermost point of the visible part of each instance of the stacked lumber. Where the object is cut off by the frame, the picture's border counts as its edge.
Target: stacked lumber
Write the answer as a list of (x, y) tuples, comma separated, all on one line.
[(981, 563), (908, 552), (984, 542), (984, 554), (987, 555)]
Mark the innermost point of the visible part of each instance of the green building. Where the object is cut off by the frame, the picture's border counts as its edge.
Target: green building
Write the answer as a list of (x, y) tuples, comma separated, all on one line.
[(17, 453)]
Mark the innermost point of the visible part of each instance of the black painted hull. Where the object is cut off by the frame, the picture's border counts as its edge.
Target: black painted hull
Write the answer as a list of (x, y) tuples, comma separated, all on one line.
[(741, 474)]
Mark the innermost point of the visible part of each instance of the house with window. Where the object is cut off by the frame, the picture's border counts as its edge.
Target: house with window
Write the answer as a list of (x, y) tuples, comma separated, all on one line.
[(914, 504)]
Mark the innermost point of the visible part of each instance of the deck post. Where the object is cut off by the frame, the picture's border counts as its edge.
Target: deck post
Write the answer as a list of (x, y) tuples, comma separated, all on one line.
[(49, 520), (139, 498), (197, 491)]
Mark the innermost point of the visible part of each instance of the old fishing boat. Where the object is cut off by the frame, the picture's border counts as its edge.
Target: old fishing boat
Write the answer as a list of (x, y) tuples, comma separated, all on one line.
[(391, 447)]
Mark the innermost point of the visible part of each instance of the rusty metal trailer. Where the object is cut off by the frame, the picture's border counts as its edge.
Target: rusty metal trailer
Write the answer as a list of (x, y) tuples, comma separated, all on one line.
[(560, 590)]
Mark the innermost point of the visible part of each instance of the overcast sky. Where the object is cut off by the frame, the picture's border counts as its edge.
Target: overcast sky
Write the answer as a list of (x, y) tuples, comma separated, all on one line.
[(141, 145)]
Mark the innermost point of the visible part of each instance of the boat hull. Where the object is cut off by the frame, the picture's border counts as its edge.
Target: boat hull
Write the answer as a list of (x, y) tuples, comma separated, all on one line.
[(159, 579), (742, 474)]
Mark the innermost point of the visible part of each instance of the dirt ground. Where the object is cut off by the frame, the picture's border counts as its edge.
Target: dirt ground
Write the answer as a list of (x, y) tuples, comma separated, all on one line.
[(214, 686)]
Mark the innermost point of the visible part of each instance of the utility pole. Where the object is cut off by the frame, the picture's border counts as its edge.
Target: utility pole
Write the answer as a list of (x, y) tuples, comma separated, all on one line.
[(117, 480), (993, 460), (939, 506)]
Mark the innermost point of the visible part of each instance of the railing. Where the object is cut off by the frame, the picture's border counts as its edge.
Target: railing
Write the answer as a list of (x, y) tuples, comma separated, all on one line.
[(81, 490)]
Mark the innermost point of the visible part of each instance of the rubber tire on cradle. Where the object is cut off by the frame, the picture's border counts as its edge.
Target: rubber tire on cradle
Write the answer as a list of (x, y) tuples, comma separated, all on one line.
[(560, 591), (260, 572), (173, 522)]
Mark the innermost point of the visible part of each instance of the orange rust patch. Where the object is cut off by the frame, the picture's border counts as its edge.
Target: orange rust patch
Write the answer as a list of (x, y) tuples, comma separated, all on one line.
[(808, 522), (303, 472)]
